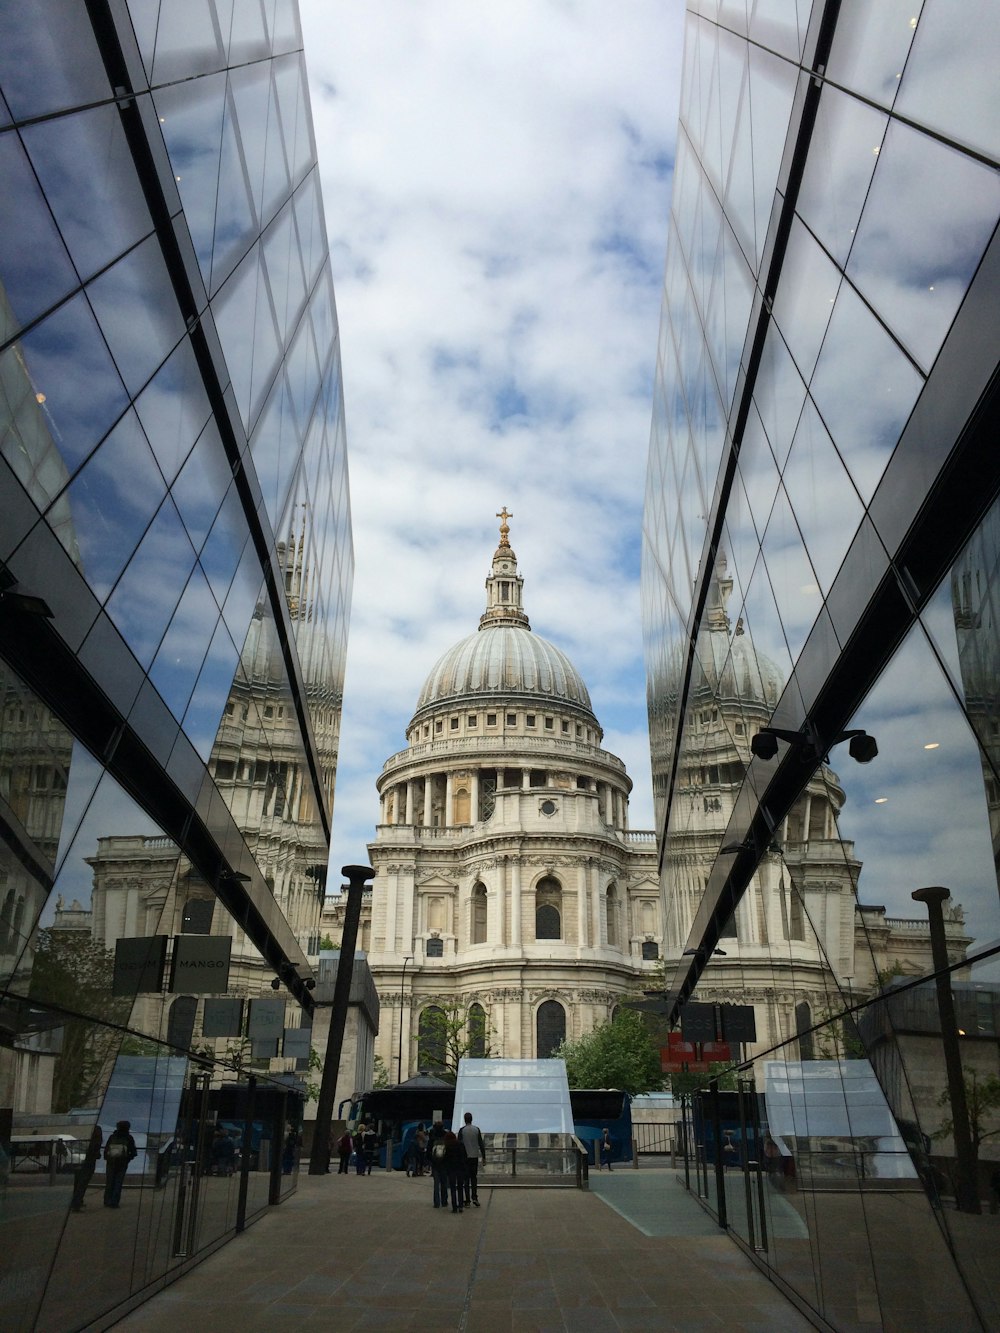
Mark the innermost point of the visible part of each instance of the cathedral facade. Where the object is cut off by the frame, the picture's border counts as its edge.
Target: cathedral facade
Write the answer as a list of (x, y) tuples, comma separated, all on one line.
[(510, 893)]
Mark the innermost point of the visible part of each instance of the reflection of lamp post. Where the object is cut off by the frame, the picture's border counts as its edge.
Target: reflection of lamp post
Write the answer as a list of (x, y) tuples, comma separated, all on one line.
[(319, 1158), (402, 1000), (966, 1186)]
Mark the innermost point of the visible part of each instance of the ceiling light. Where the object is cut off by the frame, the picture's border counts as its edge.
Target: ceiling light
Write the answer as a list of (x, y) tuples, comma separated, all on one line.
[(881, 800), (933, 745), (39, 397)]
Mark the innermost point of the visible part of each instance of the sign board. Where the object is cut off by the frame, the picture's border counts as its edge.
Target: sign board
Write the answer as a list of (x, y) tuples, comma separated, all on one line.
[(201, 964), (267, 1020), (139, 965), (222, 1018), (296, 1043), (698, 1022), (687, 1057), (737, 1022)]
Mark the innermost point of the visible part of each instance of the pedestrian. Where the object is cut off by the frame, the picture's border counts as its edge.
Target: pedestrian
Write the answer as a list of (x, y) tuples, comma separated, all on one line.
[(471, 1139), (370, 1146), (223, 1153), (454, 1161), (345, 1146), (119, 1150), (420, 1141), (359, 1149), (606, 1149), (86, 1168), (436, 1148)]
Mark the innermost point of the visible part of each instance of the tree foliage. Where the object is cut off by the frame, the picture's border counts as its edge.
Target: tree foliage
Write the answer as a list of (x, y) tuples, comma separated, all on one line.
[(449, 1033), (982, 1099), (72, 971), (620, 1054)]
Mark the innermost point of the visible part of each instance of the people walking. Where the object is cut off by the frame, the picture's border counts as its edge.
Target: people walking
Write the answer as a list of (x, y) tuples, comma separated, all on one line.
[(471, 1139), (454, 1161), (420, 1150), (86, 1168), (606, 1150), (369, 1143), (345, 1146), (359, 1148), (437, 1152), (119, 1150)]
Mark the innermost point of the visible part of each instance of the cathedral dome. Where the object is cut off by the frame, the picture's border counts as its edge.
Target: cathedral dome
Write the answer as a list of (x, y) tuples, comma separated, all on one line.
[(504, 660)]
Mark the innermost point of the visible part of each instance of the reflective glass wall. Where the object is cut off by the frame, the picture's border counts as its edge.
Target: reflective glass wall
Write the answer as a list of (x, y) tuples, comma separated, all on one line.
[(821, 564), (175, 575)]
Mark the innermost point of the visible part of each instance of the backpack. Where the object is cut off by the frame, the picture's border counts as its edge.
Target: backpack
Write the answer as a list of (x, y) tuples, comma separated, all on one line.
[(438, 1150)]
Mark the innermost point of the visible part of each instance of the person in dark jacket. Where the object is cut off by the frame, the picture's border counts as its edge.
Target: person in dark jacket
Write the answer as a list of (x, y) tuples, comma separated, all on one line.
[(437, 1156), (370, 1146), (606, 1149), (454, 1161), (119, 1150), (345, 1146), (86, 1168), (471, 1139)]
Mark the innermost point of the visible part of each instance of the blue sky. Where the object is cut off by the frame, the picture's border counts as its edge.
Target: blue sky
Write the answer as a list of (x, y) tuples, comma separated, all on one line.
[(496, 183)]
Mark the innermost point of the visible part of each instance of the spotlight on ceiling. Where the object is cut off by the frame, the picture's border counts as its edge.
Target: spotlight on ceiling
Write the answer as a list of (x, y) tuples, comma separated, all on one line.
[(863, 747), (764, 744)]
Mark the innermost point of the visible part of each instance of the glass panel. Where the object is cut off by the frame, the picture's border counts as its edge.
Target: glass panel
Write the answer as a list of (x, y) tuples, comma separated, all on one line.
[(805, 297), (950, 80), (191, 117), (201, 484), (35, 267), (864, 388), (173, 409), (49, 66), (188, 41), (179, 657), (144, 600), (871, 45), (929, 215), (82, 161), (137, 310)]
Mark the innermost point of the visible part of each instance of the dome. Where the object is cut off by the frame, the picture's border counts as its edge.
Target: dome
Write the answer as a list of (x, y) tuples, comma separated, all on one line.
[(504, 660)]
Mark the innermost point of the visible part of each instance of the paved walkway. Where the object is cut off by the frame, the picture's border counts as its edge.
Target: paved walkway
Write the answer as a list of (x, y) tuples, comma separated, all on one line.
[(360, 1252)]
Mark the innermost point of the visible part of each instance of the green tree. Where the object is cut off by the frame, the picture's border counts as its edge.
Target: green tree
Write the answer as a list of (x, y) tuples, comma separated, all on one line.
[(72, 971), (380, 1075), (620, 1054), (982, 1099), (448, 1034)]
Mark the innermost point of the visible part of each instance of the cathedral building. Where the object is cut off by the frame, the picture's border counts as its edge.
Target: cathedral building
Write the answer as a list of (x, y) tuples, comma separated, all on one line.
[(510, 891)]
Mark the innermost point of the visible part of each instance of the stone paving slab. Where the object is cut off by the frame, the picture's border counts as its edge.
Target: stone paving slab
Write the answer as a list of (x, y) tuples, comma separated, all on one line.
[(370, 1252)]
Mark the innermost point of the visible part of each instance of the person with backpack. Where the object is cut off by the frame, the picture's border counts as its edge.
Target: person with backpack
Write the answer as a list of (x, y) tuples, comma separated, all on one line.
[(119, 1150), (436, 1151), (471, 1138)]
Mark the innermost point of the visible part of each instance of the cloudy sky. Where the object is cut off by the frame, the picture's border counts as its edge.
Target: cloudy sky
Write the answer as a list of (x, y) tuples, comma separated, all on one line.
[(497, 183)]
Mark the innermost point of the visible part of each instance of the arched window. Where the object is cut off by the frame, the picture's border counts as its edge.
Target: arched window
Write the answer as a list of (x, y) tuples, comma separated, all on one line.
[(611, 912), (477, 1032), (435, 947), (479, 913), (461, 803), (548, 909), (431, 1038), (803, 1022), (550, 1028)]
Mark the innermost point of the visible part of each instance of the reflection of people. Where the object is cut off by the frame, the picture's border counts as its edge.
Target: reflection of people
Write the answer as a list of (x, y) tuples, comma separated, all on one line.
[(345, 1146), (775, 1167), (471, 1139), (86, 1168), (223, 1153), (119, 1150), (420, 1150), (605, 1150), (730, 1153), (288, 1153)]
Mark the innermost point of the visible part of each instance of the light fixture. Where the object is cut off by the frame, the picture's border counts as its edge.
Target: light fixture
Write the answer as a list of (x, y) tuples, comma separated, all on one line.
[(764, 743), (933, 745), (881, 800)]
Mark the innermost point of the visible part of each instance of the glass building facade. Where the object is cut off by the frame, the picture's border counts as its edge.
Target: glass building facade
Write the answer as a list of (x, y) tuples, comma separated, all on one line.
[(175, 575), (822, 558)]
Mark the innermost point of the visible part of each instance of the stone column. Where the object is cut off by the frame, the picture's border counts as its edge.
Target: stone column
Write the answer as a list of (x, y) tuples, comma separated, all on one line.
[(447, 823), (581, 901), (594, 875), (474, 797), (500, 939), (515, 903), (525, 779), (428, 790), (409, 801)]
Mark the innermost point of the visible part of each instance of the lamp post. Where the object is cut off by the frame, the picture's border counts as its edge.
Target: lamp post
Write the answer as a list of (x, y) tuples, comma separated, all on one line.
[(402, 999), (319, 1158), (966, 1184)]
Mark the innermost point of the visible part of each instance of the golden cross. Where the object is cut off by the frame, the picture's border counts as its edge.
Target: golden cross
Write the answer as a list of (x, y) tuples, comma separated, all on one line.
[(504, 529)]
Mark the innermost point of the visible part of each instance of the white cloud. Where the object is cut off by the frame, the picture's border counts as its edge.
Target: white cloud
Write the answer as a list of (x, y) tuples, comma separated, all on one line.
[(496, 184)]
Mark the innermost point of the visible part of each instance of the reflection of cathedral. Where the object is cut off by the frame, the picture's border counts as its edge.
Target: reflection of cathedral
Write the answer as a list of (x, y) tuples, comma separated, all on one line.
[(509, 887), (798, 929)]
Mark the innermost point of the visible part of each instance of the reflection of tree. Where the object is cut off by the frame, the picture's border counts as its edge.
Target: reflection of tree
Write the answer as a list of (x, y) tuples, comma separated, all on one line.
[(447, 1035), (982, 1097), (681, 1084), (619, 1054), (74, 972)]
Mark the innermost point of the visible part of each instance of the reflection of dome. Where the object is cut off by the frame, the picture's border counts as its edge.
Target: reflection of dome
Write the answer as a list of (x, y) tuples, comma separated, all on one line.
[(504, 660)]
